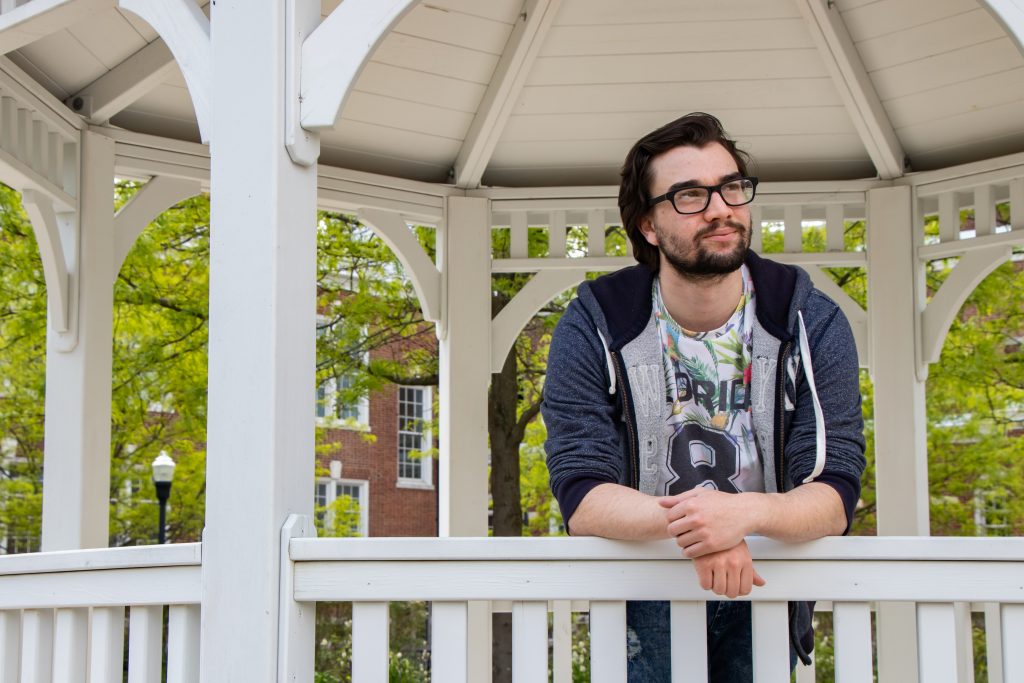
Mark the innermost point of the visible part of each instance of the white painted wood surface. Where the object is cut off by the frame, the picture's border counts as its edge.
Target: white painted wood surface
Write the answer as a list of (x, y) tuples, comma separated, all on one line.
[(1013, 635), (689, 641), (964, 636), (145, 643), (370, 642), (936, 642), (851, 623), (36, 646), (297, 624), (449, 634), (70, 644), (10, 645), (607, 641), (426, 280), (561, 641), (183, 644), (155, 197), (994, 642), (106, 645), (529, 641), (770, 624)]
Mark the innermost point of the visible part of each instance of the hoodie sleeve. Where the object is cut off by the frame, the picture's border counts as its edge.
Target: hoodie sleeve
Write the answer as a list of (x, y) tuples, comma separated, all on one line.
[(837, 379), (583, 445)]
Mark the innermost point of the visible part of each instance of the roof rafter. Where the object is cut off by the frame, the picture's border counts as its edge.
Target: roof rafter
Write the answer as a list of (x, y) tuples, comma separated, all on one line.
[(31, 21), (503, 91), (124, 84), (854, 85)]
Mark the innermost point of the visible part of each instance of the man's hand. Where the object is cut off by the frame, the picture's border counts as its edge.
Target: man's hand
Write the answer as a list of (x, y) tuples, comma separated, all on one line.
[(728, 572), (705, 521)]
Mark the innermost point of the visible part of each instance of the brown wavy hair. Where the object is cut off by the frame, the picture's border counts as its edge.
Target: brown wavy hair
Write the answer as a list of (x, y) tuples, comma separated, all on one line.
[(693, 130)]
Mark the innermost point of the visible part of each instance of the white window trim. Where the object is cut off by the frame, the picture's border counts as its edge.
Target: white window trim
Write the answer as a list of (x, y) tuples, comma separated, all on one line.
[(426, 478), (364, 500), (361, 423)]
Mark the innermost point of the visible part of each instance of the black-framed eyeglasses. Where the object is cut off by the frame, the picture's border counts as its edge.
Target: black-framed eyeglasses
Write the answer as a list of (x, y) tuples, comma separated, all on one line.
[(696, 198)]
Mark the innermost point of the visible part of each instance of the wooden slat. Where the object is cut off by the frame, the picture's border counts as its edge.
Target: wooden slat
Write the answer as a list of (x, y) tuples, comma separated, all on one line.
[(519, 235), (23, 128), (8, 122), (1013, 636), (145, 637), (370, 642), (556, 235), (994, 642), (770, 623), (561, 641), (756, 229), (106, 645), (835, 228), (688, 626), (448, 642), (70, 645), (529, 642), (805, 674), (964, 634), (10, 645), (793, 241), (852, 625), (1017, 203), (936, 642), (984, 211), (40, 139), (183, 644), (36, 646), (949, 217), (54, 158), (607, 642), (595, 232)]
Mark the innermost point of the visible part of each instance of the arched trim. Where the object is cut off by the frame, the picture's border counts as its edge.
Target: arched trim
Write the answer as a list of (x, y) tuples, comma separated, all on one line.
[(970, 270), (857, 316), (155, 197), (426, 279), (53, 252), (507, 325), (186, 30)]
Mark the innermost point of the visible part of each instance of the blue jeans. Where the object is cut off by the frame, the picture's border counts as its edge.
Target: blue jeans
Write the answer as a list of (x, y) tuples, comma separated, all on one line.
[(730, 645)]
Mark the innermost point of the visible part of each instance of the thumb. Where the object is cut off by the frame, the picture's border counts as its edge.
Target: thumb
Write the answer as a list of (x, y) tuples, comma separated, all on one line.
[(667, 501)]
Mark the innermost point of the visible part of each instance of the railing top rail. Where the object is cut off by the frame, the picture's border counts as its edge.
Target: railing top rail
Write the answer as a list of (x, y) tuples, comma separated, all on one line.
[(175, 555), (526, 549)]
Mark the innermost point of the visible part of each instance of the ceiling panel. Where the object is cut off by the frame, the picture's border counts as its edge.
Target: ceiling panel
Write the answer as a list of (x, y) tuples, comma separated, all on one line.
[(424, 88), (979, 93), (455, 28), (410, 116), (618, 13), (935, 38), (948, 68), (109, 37), (886, 17), (65, 60), (430, 56)]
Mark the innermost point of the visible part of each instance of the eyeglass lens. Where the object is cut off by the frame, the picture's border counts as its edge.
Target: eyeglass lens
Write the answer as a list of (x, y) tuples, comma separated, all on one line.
[(695, 199)]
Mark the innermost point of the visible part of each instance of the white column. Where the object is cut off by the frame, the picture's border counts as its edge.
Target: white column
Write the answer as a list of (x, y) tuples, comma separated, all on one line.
[(76, 479), (262, 326), (464, 375), (901, 457)]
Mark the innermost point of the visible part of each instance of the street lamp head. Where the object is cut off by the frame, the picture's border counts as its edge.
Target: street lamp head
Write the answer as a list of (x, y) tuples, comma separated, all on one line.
[(163, 468)]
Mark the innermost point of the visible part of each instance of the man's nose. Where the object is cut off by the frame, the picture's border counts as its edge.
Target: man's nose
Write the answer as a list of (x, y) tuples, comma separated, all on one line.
[(717, 208)]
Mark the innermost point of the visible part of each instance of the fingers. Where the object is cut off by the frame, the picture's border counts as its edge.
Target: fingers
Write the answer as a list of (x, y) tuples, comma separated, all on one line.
[(758, 581)]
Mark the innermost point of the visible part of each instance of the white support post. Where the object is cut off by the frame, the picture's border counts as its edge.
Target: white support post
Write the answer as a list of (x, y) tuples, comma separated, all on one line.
[(70, 645), (76, 476), (106, 645), (465, 371), (900, 447), (262, 341), (145, 638)]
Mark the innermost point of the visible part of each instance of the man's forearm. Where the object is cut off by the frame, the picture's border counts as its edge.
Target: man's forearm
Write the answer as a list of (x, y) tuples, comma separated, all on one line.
[(803, 514), (615, 511)]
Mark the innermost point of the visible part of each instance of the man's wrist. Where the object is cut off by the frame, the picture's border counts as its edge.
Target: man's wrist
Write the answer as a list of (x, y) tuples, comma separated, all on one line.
[(755, 510)]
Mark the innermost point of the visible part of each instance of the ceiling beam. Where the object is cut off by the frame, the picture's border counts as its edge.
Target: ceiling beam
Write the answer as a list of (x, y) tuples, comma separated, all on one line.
[(503, 91), (855, 87), (31, 21), (117, 89)]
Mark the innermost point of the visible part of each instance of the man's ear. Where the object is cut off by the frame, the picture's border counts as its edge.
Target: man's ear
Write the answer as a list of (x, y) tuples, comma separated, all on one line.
[(647, 230)]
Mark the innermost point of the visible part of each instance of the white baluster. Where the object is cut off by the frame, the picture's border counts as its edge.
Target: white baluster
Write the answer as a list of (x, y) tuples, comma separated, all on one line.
[(689, 629), (519, 235), (370, 642), (10, 645), (22, 131), (806, 674), (36, 646), (54, 152), (529, 642), (561, 641), (70, 169), (949, 217), (595, 232), (106, 645), (835, 228), (994, 642), (8, 123), (607, 642), (556, 235), (183, 644), (756, 229), (40, 139), (1017, 204), (964, 635), (793, 241), (852, 626), (70, 645), (936, 642), (448, 642), (770, 624), (145, 638), (1013, 636), (984, 210)]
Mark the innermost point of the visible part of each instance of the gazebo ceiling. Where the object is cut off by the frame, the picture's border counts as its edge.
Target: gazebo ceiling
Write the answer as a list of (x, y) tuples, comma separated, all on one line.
[(477, 92)]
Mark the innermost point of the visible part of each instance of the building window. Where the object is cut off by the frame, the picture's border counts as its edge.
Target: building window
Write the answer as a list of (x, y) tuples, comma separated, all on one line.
[(15, 542), (414, 463), (334, 410), (991, 513), (342, 507)]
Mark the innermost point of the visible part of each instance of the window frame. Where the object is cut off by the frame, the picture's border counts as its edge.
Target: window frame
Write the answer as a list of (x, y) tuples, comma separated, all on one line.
[(425, 480)]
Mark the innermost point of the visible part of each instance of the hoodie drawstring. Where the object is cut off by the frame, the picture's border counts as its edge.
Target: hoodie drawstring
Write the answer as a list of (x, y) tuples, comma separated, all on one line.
[(608, 360), (819, 416)]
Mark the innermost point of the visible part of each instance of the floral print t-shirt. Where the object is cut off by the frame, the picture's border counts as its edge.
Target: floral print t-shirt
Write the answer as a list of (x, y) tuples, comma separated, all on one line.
[(710, 431)]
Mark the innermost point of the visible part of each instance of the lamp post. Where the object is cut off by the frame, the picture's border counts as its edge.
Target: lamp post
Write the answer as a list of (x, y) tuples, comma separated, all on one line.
[(163, 474)]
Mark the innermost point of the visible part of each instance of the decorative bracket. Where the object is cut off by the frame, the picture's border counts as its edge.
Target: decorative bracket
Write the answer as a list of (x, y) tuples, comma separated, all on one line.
[(155, 197), (58, 238), (186, 30), (426, 279)]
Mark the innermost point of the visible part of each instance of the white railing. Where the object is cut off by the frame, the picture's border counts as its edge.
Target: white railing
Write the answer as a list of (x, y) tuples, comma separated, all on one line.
[(940, 575), (62, 615)]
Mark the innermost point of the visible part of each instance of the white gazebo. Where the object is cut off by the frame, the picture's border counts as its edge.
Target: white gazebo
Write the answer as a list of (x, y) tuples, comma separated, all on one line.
[(471, 115)]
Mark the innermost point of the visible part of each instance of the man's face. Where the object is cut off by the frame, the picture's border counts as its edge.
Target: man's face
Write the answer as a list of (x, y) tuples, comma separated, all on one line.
[(712, 242)]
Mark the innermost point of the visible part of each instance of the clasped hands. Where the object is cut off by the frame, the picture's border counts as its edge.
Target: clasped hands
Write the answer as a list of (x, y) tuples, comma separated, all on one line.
[(710, 527)]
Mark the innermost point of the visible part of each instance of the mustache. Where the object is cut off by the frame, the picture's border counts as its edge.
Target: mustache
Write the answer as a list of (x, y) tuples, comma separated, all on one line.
[(718, 225)]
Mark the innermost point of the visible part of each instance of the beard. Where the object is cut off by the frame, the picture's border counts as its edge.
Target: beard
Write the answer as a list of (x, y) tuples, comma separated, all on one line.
[(696, 262)]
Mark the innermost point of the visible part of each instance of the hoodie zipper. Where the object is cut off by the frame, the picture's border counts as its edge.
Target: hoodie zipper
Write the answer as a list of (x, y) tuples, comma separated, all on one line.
[(630, 427), (780, 412)]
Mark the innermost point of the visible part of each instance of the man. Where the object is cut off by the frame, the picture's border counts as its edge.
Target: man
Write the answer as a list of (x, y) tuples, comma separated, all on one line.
[(705, 394)]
